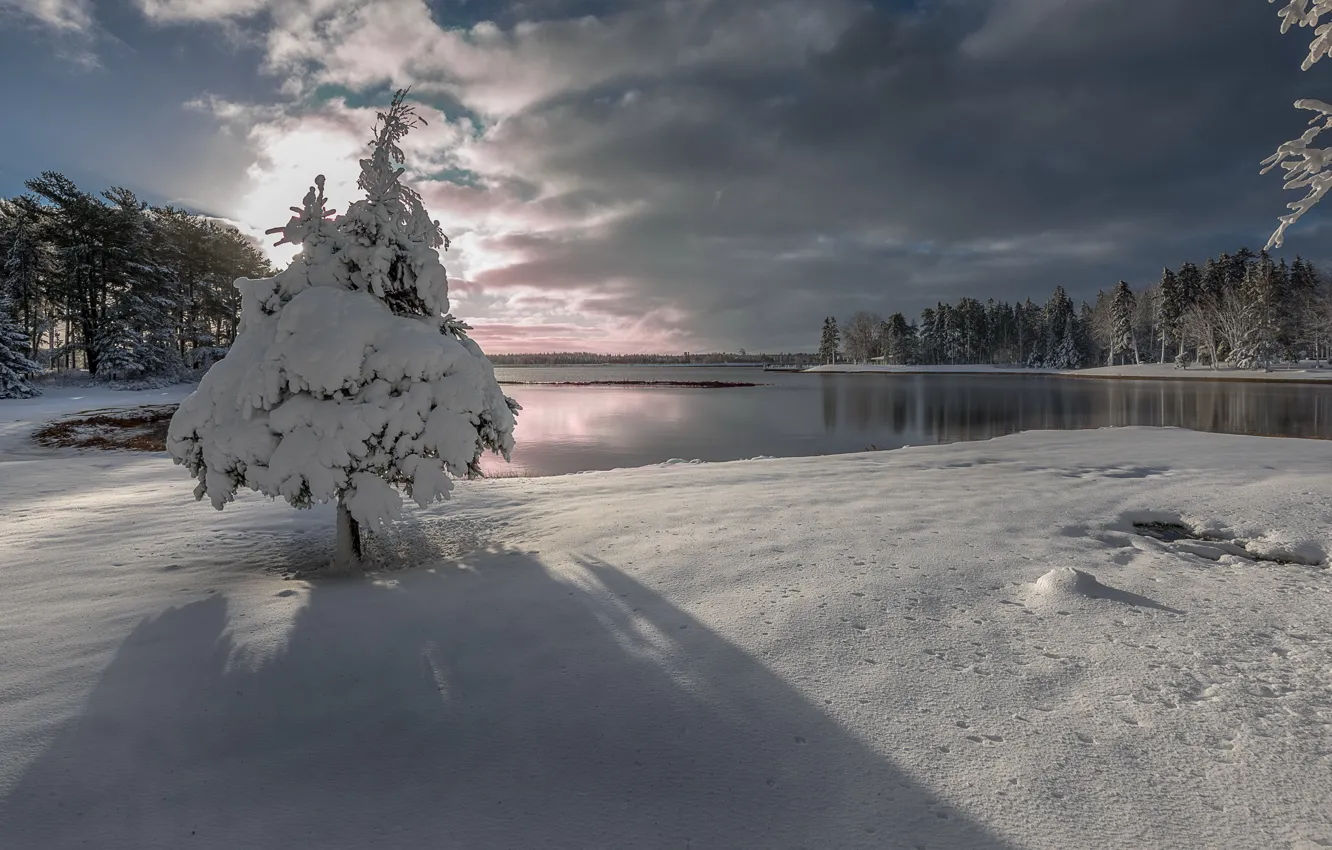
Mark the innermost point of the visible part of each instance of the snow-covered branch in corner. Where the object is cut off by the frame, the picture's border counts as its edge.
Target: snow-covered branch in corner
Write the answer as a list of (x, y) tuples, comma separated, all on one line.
[(1305, 167)]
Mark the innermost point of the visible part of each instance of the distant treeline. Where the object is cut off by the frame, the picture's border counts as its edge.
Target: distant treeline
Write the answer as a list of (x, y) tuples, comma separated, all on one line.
[(106, 282), (584, 358), (1241, 309)]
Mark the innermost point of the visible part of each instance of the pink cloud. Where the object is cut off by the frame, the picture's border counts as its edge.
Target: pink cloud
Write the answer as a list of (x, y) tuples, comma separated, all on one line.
[(501, 338)]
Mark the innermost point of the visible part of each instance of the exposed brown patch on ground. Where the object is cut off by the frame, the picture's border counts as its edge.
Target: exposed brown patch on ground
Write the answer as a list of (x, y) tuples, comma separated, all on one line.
[(138, 429)]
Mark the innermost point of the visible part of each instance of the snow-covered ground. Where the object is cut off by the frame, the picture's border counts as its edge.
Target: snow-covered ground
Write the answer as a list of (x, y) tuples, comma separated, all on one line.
[(871, 650), (959, 369), (1167, 371), (1155, 371)]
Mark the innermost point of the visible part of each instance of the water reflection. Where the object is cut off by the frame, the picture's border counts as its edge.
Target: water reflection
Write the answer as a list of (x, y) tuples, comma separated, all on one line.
[(949, 409), (571, 429)]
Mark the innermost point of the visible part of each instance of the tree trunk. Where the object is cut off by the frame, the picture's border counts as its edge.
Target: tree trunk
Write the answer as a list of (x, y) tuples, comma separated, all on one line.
[(347, 555)]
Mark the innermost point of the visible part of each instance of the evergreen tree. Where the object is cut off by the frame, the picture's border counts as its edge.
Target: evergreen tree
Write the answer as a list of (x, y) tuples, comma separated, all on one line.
[(1067, 353), (1060, 347), (1303, 275), (1237, 268), (15, 367), (971, 330), (901, 348), (1031, 334), (1122, 308), (1289, 310), (25, 268), (1190, 285), (829, 341), (1261, 298), (138, 336), (1215, 279), (928, 351), (1172, 306), (349, 379)]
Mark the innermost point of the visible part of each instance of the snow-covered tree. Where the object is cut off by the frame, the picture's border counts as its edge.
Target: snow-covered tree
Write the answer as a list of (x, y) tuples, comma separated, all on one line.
[(137, 337), (15, 367), (1305, 166), (1262, 302), (829, 341), (1066, 354), (900, 341), (1060, 347), (348, 379), (1171, 304), (1122, 308), (24, 269)]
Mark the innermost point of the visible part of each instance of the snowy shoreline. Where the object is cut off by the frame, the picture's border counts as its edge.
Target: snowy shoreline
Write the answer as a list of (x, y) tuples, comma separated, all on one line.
[(832, 651), (1144, 372)]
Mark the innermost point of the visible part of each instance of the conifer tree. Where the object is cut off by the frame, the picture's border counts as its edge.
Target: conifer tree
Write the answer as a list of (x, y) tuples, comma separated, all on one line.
[(1059, 347), (1190, 284), (1122, 308), (1067, 353), (1215, 279), (15, 367), (901, 348), (24, 269), (1261, 301), (1172, 308), (829, 341), (349, 379)]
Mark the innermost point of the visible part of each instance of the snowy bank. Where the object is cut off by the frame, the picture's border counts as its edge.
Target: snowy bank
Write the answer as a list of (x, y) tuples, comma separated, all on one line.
[(958, 369), (1145, 371), (885, 649), (1168, 372)]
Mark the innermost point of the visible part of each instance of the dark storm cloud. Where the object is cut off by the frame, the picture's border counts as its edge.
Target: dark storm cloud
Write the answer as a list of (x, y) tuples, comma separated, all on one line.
[(724, 174), (961, 150)]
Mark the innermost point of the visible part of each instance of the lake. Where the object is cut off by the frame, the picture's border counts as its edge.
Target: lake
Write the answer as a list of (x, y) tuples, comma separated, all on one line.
[(566, 429)]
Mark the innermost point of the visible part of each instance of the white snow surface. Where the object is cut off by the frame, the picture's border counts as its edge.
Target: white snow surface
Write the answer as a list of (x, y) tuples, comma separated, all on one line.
[(882, 649), (1156, 371)]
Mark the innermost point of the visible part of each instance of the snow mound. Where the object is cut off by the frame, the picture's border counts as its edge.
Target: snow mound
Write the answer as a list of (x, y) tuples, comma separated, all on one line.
[(1275, 546), (1067, 586), (1066, 583)]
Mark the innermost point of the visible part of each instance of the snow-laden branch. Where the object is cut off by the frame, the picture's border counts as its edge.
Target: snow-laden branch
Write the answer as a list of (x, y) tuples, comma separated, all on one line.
[(1305, 167), (1309, 13)]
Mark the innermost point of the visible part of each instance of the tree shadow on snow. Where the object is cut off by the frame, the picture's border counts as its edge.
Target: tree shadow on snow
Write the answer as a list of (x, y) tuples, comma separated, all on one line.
[(496, 704)]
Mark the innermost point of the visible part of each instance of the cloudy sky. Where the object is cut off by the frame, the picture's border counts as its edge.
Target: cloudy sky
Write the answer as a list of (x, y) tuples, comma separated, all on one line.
[(676, 175)]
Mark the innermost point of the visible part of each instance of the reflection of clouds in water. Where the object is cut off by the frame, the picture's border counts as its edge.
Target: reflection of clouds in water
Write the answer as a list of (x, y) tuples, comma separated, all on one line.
[(584, 414), (568, 429), (596, 423)]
